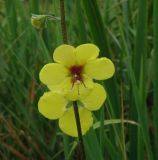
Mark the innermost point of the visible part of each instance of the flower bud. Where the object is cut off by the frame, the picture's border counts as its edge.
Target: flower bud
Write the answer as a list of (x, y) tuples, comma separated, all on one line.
[(38, 21)]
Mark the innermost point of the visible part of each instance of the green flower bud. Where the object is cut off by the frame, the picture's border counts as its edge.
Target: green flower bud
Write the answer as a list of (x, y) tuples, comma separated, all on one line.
[(38, 21)]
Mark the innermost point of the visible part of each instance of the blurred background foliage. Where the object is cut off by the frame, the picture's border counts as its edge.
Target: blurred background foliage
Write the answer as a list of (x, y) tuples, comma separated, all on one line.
[(124, 31)]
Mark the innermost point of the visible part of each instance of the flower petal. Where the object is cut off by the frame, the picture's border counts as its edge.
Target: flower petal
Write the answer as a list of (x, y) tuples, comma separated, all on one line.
[(52, 105), (53, 73), (73, 91), (66, 87), (100, 69), (78, 90), (95, 98), (86, 52), (65, 54), (88, 82), (67, 122)]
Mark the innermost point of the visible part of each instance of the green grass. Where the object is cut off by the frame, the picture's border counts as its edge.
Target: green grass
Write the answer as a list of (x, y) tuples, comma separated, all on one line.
[(126, 32)]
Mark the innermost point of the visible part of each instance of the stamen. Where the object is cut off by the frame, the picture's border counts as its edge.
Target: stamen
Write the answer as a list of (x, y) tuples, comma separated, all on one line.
[(76, 72), (78, 82), (84, 84), (75, 76), (72, 85), (78, 90)]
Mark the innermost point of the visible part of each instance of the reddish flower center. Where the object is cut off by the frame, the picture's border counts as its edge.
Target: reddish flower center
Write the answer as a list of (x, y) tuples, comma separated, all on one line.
[(76, 73)]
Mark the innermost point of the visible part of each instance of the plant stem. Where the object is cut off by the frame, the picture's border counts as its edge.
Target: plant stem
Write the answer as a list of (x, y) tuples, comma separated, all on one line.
[(76, 112), (63, 23), (78, 124), (122, 124)]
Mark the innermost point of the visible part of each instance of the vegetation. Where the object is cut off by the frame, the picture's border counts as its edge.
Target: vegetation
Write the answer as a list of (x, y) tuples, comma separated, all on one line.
[(126, 127)]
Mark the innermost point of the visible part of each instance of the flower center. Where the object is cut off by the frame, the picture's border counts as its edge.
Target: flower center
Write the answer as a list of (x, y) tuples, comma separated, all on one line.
[(76, 73)]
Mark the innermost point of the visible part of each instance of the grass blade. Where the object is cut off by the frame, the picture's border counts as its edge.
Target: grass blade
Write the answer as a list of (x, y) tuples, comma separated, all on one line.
[(155, 78)]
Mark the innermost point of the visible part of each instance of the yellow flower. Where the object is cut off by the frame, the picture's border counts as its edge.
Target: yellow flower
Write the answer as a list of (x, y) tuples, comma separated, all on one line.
[(75, 69), (54, 105)]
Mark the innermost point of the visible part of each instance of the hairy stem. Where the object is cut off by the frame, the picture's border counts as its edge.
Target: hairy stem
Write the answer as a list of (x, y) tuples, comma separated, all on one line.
[(78, 124), (63, 23)]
